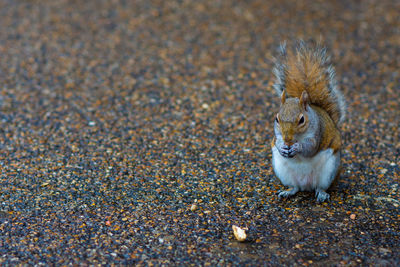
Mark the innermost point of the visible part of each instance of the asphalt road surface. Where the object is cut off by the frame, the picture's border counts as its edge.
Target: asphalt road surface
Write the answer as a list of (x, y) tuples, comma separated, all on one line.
[(138, 132)]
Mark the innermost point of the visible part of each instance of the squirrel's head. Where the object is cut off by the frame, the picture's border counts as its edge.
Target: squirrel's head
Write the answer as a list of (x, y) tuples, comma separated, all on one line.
[(292, 118)]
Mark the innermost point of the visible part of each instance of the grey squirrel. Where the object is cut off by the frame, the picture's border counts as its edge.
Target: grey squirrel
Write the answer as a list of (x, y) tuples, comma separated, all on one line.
[(307, 142)]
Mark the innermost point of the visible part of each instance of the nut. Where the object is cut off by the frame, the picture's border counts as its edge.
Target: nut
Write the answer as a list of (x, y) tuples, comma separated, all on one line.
[(239, 233)]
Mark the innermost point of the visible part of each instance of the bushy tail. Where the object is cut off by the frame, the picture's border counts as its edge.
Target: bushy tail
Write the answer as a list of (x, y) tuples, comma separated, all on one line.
[(309, 69)]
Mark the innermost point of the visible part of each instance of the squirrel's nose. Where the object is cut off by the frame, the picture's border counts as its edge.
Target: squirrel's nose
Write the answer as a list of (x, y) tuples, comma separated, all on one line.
[(288, 144)]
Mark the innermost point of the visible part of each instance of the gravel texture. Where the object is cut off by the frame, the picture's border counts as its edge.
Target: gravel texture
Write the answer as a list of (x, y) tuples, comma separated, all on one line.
[(138, 132)]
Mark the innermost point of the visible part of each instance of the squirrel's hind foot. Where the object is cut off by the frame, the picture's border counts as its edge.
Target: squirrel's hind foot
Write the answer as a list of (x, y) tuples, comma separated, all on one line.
[(321, 195), (288, 193)]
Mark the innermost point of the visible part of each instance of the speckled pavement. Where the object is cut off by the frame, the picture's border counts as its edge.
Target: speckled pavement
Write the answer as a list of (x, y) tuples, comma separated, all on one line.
[(138, 132)]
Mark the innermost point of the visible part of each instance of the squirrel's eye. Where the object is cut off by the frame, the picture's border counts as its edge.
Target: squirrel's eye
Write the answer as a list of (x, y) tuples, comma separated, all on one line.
[(301, 121)]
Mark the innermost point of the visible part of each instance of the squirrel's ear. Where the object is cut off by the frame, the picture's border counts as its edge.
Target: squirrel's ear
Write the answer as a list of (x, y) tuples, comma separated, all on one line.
[(304, 99), (283, 97)]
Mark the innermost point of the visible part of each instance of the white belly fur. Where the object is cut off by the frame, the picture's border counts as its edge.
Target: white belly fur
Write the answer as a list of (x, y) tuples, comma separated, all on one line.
[(307, 174)]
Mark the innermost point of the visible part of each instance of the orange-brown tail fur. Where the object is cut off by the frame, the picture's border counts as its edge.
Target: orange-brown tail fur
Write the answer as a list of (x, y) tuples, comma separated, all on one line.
[(309, 69)]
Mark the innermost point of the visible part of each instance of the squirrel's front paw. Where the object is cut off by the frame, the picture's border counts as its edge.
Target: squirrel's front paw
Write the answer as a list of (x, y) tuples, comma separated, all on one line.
[(289, 151), (294, 149)]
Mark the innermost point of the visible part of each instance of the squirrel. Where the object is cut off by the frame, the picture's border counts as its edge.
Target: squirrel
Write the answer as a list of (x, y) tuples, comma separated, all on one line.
[(306, 145)]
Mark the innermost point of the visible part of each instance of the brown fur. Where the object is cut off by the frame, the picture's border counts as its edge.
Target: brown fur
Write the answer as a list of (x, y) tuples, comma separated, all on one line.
[(330, 134), (305, 72)]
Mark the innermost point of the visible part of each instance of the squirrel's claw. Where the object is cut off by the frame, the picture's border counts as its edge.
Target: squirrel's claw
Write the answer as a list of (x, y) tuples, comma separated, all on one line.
[(322, 196), (288, 193), (288, 153)]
